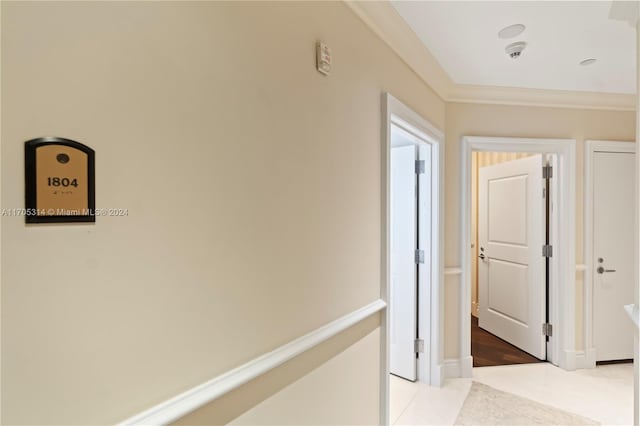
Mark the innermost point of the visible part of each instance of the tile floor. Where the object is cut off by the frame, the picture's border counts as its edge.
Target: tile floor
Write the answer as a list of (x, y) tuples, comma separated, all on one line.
[(604, 394)]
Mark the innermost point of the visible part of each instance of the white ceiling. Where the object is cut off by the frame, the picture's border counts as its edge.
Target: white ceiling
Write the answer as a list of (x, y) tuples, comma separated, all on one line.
[(463, 36)]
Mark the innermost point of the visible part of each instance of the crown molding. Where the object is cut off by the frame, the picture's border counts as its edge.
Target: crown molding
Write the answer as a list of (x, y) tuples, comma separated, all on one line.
[(541, 98), (383, 19)]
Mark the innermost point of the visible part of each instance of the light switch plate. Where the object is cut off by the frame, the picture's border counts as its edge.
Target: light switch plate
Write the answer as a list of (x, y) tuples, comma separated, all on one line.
[(323, 58)]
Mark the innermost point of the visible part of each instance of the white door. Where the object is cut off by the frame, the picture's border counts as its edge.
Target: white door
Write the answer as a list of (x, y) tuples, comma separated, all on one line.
[(511, 268), (613, 250), (403, 241)]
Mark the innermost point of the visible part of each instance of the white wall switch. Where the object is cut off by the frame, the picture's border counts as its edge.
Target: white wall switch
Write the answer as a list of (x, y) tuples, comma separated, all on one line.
[(323, 58)]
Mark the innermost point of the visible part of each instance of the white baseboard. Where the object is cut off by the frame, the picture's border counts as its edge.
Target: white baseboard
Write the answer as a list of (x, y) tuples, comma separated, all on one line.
[(451, 368), (574, 360), (466, 367), (586, 359), (437, 376), (457, 367), (567, 360)]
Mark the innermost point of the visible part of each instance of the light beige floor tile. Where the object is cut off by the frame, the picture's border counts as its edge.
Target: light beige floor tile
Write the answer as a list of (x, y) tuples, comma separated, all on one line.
[(436, 406), (604, 394), (401, 394)]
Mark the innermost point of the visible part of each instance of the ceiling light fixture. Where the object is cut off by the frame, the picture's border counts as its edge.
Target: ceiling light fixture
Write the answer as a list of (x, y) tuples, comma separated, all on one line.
[(586, 62), (514, 50), (511, 31)]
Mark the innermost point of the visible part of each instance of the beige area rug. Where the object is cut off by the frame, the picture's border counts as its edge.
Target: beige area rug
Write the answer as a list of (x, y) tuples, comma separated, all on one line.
[(488, 406)]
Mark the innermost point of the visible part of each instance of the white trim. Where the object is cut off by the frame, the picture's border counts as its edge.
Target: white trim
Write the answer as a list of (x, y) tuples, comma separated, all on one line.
[(385, 291), (540, 98), (475, 308), (194, 398), (451, 368), (636, 293), (456, 367), (563, 283), (431, 326), (466, 366), (636, 338), (585, 359), (383, 19), (591, 147), (1, 313), (634, 315)]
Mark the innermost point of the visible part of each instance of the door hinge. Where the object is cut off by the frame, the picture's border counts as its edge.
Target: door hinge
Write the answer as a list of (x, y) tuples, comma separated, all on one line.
[(547, 251), (418, 345), (547, 329), (420, 167), (547, 172), (419, 256)]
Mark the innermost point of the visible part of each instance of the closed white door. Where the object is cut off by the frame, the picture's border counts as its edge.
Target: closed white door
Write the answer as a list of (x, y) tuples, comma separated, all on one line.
[(403, 241), (511, 268), (613, 250)]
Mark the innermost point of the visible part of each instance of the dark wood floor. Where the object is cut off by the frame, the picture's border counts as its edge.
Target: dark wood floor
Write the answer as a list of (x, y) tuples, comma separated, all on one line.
[(488, 350)]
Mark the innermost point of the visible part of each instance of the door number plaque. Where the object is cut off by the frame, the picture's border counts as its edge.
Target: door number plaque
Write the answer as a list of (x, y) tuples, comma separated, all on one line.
[(60, 181)]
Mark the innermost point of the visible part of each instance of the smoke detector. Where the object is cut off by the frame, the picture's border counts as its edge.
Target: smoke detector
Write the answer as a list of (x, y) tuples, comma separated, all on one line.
[(515, 49)]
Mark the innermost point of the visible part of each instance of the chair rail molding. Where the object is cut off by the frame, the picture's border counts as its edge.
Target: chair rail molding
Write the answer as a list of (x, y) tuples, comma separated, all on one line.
[(186, 402)]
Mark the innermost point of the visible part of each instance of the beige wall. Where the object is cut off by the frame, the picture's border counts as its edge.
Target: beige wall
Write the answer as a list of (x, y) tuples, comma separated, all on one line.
[(253, 189), (515, 121)]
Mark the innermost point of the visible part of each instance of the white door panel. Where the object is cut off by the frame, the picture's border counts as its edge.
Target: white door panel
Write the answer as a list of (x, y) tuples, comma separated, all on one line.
[(507, 290), (511, 278), (507, 201), (613, 241), (403, 240)]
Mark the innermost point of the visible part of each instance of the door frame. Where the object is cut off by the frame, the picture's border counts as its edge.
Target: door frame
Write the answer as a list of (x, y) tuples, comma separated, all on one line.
[(430, 327), (561, 348), (591, 147)]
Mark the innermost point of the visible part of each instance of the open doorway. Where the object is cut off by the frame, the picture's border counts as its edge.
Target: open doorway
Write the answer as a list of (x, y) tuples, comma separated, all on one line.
[(410, 233), (413, 267), (412, 210), (510, 269), (561, 324)]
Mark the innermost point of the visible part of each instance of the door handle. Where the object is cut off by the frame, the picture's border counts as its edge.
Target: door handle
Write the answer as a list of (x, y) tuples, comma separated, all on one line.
[(601, 270)]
